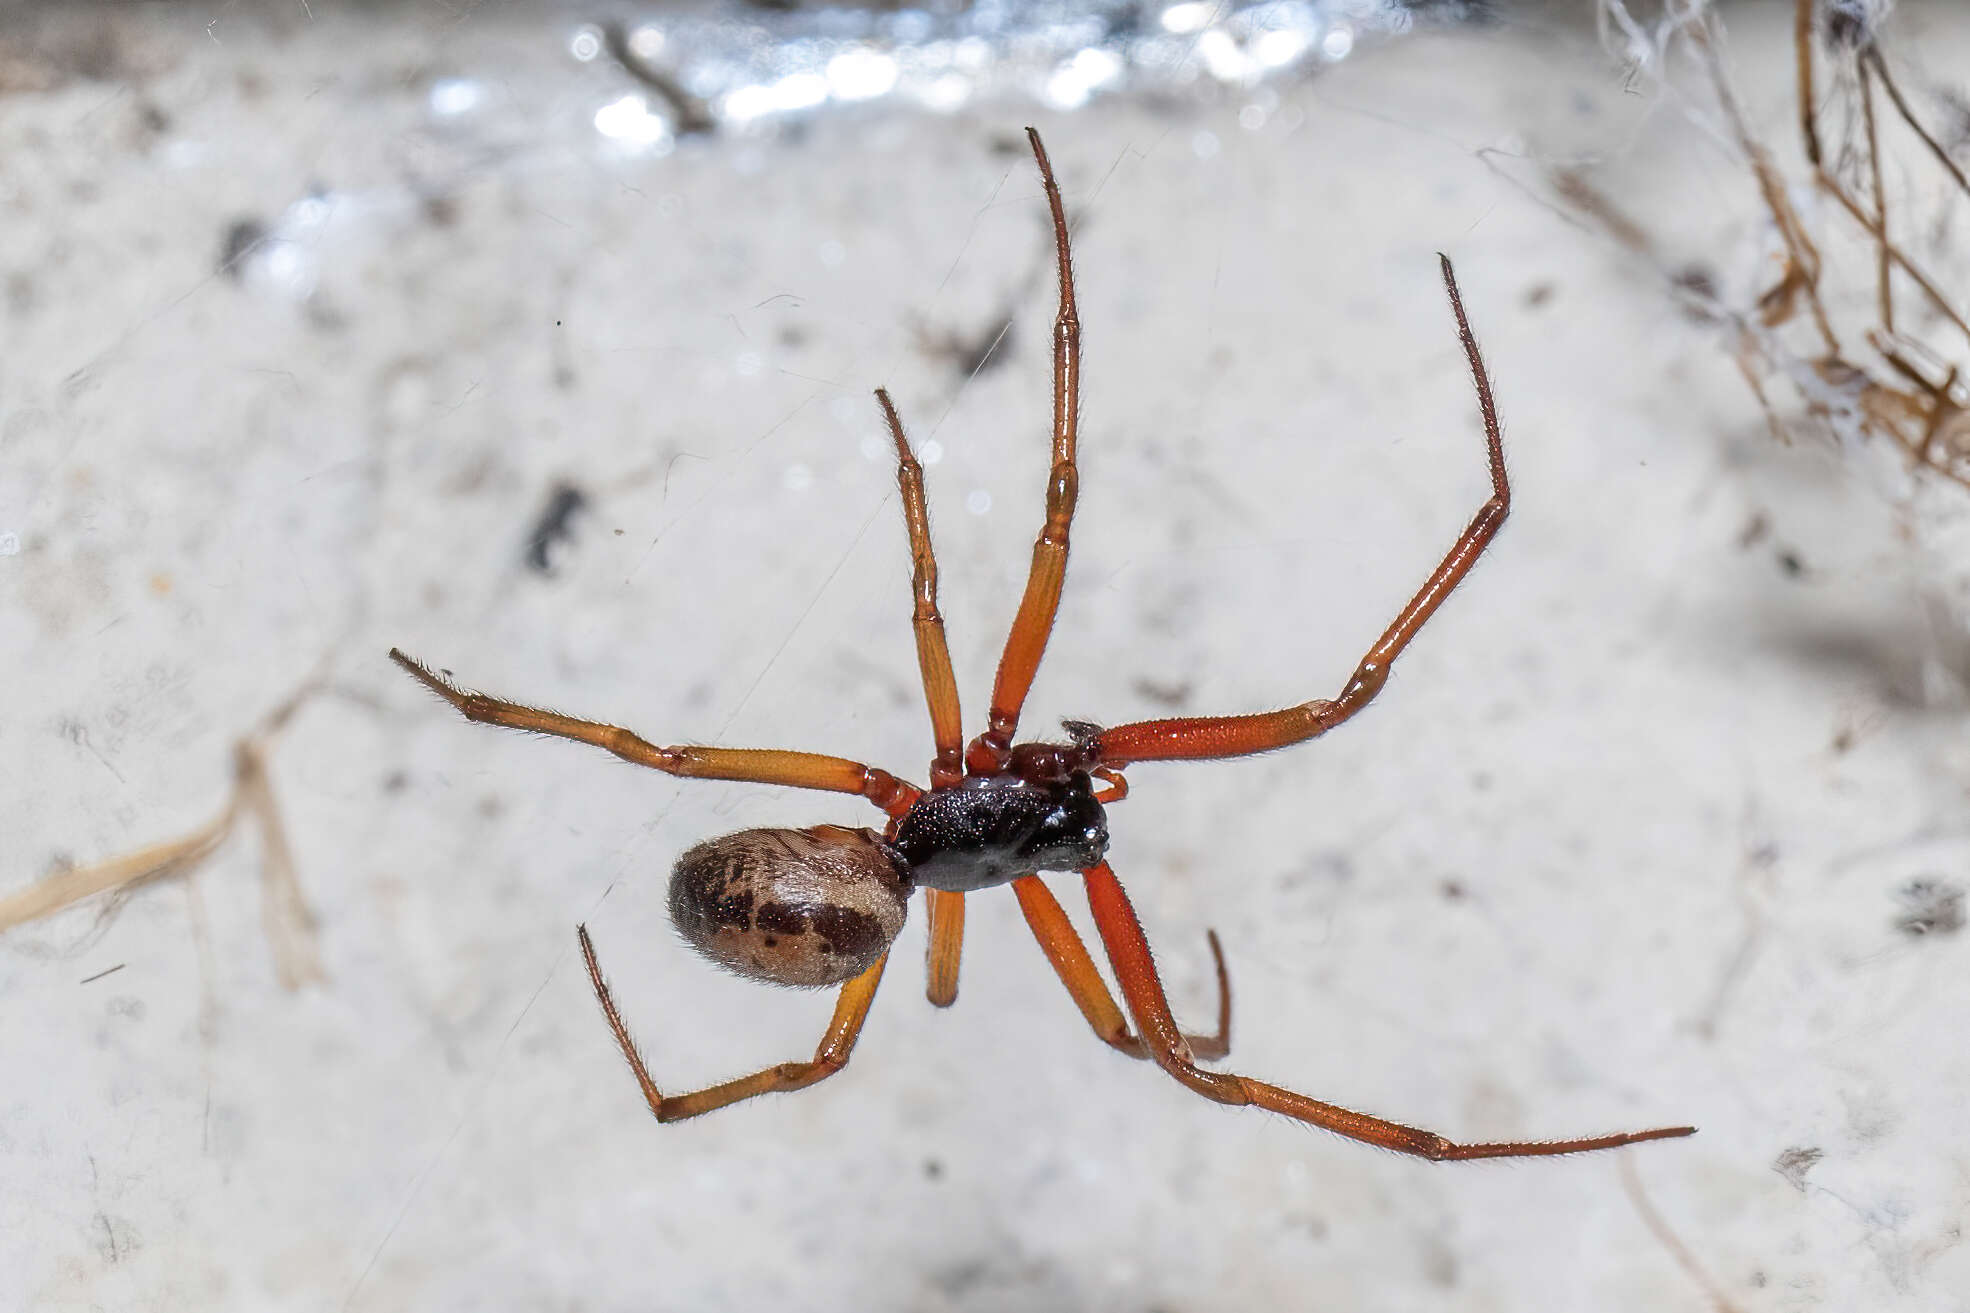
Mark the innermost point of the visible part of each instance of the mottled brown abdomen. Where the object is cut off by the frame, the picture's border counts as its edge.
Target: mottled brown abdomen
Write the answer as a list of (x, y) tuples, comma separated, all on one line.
[(791, 907)]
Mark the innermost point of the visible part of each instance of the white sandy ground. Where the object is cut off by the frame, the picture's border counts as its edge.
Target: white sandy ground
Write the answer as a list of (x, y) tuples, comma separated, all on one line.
[(1619, 742)]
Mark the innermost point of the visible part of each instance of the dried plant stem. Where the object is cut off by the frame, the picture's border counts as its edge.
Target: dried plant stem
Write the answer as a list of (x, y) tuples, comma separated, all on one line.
[(289, 922), (1916, 275), (693, 114), (1856, 399), (1884, 290), (157, 862), (1802, 255), (1631, 1182), (1802, 46), (1773, 423), (1888, 252), (1944, 405), (1873, 57)]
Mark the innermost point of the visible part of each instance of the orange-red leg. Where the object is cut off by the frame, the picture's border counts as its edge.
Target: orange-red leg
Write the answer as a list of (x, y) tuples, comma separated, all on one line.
[(1235, 736), (1135, 970), (800, 770), (945, 911), (830, 1056), (1118, 788), (940, 687), (1070, 961), (1034, 622)]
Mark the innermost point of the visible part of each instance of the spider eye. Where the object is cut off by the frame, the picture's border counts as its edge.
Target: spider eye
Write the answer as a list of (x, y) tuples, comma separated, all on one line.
[(806, 908)]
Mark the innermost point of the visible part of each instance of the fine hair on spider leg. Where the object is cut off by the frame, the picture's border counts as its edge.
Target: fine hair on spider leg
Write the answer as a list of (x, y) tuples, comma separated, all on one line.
[(821, 906)]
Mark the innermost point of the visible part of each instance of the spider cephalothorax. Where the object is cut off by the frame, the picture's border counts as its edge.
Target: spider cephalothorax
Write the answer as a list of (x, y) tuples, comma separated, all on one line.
[(822, 905), (1039, 814)]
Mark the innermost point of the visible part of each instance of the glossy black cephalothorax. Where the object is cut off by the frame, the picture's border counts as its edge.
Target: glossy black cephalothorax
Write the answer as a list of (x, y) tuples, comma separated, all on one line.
[(991, 829), (819, 906)]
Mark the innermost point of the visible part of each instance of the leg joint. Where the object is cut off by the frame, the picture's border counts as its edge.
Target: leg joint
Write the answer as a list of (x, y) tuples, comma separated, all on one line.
[(1062, 493), (1367, 681), (478, 707)]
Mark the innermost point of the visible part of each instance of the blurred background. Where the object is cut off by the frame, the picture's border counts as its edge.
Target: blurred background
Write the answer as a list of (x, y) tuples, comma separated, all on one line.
[(538, 340)]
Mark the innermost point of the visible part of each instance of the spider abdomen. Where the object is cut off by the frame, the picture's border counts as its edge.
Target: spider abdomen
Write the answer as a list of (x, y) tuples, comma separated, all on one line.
[(806, 908)]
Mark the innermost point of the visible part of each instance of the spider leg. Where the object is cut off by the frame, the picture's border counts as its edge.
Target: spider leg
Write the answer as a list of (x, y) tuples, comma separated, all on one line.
[(1034, 621), (1118, 788), (830, 1056), (940, 687), (1128, 953), (1070, 961), (946, 913), (800, 770), (1193, 737)]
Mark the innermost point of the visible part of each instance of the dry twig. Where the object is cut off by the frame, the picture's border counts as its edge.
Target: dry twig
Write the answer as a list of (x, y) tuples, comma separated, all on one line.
[(1873, 392), (285, 914)]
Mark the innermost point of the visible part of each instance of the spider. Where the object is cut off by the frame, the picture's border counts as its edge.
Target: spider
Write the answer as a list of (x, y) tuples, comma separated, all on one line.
[(821, 906)]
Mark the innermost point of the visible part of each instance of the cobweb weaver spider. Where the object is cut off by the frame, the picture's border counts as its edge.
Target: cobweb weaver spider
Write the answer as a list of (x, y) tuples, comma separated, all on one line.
[(821, 906)]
